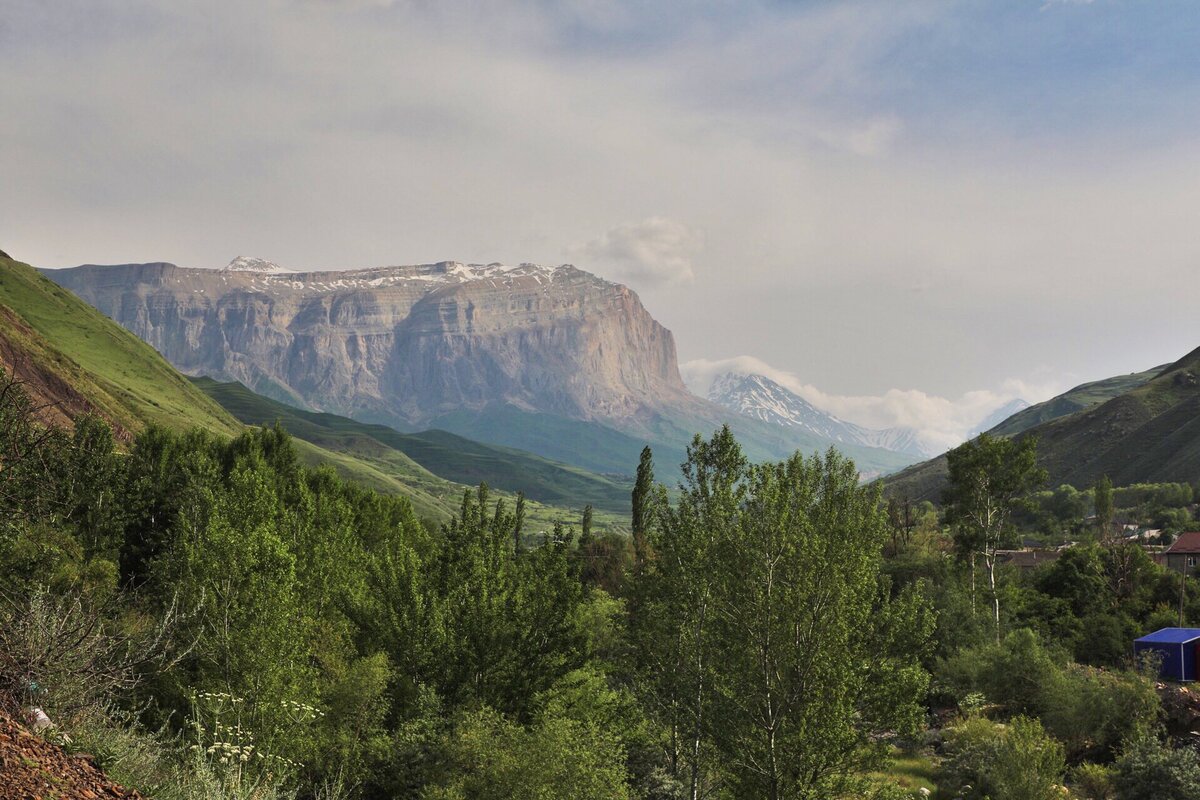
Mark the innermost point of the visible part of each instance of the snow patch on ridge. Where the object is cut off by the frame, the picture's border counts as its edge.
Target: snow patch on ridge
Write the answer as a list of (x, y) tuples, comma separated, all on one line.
[(256, 265), (421, 277)]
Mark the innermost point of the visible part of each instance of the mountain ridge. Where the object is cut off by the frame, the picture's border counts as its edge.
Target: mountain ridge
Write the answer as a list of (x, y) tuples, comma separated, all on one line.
[(449, 344), (1147, 429), (758, 396)]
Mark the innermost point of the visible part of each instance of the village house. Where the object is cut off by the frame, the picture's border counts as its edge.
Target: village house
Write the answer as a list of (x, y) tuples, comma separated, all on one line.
[(1181, 556)]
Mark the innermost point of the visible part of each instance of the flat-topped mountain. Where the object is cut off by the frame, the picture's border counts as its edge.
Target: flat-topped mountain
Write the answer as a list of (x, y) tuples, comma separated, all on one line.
[(402, 344), (550, 359)]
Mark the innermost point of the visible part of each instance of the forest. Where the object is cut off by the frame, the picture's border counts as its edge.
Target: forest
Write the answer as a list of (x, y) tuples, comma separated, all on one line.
[(208, 618)]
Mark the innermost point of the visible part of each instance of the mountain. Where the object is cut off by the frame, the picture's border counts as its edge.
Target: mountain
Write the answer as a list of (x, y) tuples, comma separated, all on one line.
[(759, 397), (256, 265), (1148, 430), (401, 345), (551, 360), (1083, 396), (73, 360), (998, 416), (444, 454)]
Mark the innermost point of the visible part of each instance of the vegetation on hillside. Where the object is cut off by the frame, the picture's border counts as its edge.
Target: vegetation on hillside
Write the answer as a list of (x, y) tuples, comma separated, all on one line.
[(239, 603), (59, 339), (213, 619), (451, 457), (1139, 428)]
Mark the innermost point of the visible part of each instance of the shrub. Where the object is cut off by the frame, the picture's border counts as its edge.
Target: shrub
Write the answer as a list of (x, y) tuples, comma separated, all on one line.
[(1149, 769), (1018, 761), (1093, 781)]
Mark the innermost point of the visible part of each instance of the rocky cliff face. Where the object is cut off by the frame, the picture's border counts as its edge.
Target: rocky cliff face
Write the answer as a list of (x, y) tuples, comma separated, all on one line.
[(403, 344)]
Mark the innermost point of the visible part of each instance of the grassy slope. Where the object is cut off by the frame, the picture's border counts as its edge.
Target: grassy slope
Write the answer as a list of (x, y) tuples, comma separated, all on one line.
[(1149, 432), (417, 455), (1078, 399), (124, 378), (589, 445)]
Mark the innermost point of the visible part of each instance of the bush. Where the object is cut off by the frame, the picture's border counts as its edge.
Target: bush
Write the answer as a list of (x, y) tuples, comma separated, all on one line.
[(1148, 769), (1090, 710), (1093, 781), (1018, 761)]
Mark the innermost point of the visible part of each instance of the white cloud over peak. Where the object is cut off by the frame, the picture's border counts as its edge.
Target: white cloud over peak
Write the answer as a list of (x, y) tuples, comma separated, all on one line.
[(941, 421), (654, 252)]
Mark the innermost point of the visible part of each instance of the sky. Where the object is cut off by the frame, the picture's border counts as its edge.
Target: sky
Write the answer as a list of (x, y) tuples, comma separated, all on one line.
[(910, 213)]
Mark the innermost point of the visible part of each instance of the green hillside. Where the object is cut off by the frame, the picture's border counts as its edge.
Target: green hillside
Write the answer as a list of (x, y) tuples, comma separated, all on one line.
[(1148, 433), (61, 337), (1081, 397), (589, 445), (429, 453), (600, 449)]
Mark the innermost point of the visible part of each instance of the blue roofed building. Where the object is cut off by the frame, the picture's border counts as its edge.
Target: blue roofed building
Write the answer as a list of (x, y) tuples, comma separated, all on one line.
[(1176, 647)]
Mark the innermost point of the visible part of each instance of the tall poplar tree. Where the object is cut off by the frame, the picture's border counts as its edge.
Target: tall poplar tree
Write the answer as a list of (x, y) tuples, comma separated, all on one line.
[(643, 489)]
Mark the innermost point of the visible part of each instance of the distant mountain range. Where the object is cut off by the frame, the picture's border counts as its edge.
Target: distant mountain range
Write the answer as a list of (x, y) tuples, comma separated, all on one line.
[(759, 397), (1143, 427), (551, 360)]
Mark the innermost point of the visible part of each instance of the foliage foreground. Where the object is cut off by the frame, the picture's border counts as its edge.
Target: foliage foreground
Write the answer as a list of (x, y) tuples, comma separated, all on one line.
[(210, 619)]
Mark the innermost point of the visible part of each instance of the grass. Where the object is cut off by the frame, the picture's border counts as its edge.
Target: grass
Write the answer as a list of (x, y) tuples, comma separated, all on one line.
[(115, 370), (419, 457), (913, 771)]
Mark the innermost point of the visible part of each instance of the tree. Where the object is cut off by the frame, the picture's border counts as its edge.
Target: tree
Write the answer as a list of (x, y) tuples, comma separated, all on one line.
[(686, 569), (815, 660), (585, 525), (643, 489), (1104, 507), (901, 522), (1149, 769), (519, 522), (989, 478)]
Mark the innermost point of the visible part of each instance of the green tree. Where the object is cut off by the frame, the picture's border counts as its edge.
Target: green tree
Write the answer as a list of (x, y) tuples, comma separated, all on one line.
[(494, 758), (815, 663), (1103, 492), (687, 567), (990, 761), (643, 490), (989, 477), (1147, 769)]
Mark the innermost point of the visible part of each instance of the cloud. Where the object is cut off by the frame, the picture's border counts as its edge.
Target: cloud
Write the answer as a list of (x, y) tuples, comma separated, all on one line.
[(654, 252), (942, 422), (884, 201)]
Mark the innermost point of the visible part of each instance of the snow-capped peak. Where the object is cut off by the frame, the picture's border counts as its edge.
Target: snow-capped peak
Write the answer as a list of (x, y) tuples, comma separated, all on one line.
[(257, 265), (762, 398)]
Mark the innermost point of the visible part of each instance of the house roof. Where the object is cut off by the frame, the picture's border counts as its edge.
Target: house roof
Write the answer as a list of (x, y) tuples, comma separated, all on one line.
[(1172, 636), (1027, 559), (1186, 543)]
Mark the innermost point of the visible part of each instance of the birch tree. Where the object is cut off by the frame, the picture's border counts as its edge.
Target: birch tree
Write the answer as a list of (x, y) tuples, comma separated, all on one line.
[(989, 478)]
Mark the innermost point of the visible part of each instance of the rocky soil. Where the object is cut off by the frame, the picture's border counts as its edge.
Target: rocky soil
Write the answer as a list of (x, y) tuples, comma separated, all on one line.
[(32, 768)]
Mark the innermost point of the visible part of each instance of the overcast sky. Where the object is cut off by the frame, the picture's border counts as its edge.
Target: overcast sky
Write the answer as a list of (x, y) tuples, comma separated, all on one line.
[(909, 211)]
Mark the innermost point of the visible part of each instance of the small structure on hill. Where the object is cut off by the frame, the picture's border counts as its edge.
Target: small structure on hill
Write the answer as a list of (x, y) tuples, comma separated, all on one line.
[(1183, 554), (1176, 647)]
